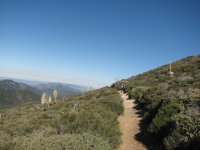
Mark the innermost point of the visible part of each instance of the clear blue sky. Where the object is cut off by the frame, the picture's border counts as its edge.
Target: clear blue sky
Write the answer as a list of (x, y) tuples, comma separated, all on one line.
[(91, 42)]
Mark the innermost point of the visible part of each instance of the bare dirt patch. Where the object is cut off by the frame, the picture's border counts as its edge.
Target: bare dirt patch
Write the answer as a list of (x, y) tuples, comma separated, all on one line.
[(129, 126), (134, 128)]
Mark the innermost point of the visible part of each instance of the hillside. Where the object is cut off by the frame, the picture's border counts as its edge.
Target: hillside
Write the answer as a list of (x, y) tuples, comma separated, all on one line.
[(12, 85), (84, 121), (12, 93), (12, 97), (170, 102)]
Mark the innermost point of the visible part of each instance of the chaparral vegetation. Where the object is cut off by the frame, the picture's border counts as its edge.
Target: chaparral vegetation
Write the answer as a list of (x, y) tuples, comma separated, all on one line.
[(170, 100), (84, 121)]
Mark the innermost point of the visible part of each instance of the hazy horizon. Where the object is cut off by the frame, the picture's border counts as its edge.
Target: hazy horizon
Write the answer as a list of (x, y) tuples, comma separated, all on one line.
[(93, 42)]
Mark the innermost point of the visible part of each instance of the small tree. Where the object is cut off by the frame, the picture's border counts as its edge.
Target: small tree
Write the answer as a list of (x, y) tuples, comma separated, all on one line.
[(55, 94), (43, 98)]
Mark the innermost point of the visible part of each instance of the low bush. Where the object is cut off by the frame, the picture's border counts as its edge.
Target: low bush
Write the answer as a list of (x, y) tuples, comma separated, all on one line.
[(185, 133), (137, 92), (162, 122)]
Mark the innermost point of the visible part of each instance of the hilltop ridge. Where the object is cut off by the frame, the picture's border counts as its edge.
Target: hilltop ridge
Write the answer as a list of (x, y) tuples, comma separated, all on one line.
[(183, 69)]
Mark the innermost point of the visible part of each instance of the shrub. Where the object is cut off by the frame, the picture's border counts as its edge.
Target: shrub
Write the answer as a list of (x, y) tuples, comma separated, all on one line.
[(162, 122), (137, 92), (185, 133), (152, 100)]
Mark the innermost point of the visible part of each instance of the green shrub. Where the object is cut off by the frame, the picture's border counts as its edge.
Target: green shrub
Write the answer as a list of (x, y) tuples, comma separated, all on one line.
[(137, 92), (162, 122), (185, 133), (152, 100)]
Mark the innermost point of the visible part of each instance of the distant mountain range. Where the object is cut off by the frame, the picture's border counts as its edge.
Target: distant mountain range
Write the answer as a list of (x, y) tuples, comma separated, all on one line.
[(12, 92), (62, 89), (28, 82)]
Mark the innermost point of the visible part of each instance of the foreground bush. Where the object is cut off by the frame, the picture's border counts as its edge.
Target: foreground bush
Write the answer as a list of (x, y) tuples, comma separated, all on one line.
[(185, 133), (162, 123)]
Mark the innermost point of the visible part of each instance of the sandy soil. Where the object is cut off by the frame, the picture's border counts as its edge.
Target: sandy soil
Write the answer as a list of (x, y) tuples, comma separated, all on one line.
[(129, 126)]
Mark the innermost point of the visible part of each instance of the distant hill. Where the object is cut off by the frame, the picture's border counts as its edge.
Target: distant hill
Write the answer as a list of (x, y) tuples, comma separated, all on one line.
[(73, 86), (10, 97), (62, 89), (14, 93), (12, 85)]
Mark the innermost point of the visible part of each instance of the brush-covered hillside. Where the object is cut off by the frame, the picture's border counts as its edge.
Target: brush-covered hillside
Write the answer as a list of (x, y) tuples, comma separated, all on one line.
[(13, 97), (84, 121), (170, 101), (13, 93), (12, 85)]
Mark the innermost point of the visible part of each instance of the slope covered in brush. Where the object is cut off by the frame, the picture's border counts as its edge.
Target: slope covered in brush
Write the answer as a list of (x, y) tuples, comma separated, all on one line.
[(12, 85), (12, 97), (171, 102), (84, 121)]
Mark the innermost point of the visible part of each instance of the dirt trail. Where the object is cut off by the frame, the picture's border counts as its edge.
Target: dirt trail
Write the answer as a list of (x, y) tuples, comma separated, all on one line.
[(129, 126)]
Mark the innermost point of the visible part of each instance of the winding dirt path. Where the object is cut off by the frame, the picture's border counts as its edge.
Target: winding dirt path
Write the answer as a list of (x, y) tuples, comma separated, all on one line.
[(129, 126)]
